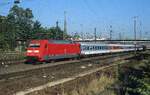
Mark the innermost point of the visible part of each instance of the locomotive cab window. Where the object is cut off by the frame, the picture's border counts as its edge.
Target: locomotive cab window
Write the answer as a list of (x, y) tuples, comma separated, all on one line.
[(34, 45)]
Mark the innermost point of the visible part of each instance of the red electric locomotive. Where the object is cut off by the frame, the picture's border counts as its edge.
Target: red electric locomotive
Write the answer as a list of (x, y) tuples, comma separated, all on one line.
[(45, 50)]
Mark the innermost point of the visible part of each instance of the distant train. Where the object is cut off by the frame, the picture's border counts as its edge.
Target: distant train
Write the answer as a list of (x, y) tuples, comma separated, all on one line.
[(46, 50)]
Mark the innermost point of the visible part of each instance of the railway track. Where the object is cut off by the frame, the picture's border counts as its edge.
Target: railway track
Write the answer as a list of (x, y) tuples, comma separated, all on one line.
[(12, 69), (18, 81), (65, 80)]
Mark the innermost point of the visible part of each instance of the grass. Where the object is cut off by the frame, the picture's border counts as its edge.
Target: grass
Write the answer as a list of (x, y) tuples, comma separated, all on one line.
[(95, 87)]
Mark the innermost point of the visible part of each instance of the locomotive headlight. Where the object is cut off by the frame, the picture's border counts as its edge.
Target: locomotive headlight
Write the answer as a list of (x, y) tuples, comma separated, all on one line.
[(29, 51), (36, 51)]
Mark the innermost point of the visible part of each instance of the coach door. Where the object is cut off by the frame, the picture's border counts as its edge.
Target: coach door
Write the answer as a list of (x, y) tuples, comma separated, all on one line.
[(45, 51)]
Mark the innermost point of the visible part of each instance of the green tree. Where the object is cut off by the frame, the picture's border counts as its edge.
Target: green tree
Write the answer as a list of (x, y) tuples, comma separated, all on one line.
[(37, 29), (19, 26), (3, 32), (136, 80), (51, 33), (21, 21), (76, 36)]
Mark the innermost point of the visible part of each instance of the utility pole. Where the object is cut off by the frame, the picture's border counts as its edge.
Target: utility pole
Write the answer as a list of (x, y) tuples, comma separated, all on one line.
[(110, 32), (95, 34), (120, 36), (141, 30), (56, 37), (65, 25), (57, 24), (82, 31), (135, 18)]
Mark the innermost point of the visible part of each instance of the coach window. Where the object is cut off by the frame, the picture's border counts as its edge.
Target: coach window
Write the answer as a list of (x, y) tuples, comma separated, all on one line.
[(90, 48), (109, 47), (87, 48), (93, 47), (99, 47), (104, 47), (83, 48), (96, 47)]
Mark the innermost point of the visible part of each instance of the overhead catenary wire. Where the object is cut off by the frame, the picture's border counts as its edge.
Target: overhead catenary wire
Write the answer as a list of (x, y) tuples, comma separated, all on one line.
[(89, 8)]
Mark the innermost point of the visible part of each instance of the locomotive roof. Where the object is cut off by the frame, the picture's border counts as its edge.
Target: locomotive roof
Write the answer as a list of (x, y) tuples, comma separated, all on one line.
[(61, 41)]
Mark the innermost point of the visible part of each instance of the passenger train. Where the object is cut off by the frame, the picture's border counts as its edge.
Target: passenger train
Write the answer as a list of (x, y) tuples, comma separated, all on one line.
[(47, 50)]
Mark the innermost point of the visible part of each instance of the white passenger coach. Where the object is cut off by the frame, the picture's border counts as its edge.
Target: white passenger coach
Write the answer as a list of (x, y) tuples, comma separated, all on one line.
[(97, 48)]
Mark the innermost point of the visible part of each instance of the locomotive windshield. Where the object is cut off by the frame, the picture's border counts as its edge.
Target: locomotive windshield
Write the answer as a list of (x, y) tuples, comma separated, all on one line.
[(34, 45)]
